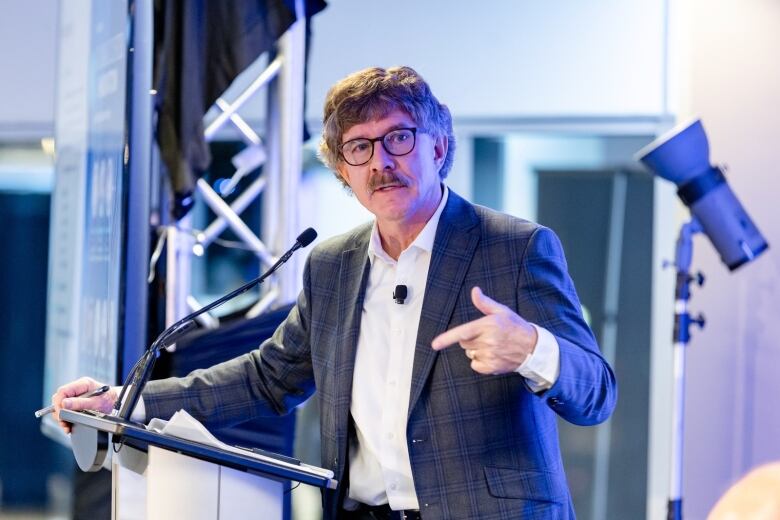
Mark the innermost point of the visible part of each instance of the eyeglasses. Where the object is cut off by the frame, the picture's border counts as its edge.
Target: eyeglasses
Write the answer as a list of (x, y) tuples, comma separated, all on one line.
[(358, 152)]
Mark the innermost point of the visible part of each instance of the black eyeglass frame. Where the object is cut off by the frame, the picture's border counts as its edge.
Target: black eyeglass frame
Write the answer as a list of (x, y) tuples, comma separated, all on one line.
[(381, 139)]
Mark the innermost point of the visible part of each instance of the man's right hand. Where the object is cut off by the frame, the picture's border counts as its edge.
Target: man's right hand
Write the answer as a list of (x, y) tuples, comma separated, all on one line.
[(67, 396)]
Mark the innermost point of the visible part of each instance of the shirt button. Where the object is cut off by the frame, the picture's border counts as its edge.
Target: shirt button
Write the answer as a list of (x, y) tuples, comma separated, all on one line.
[(392, 382), (390, 436), (393, 486)]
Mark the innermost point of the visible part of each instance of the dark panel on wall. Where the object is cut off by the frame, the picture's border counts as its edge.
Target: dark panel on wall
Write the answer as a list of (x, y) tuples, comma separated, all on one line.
[(488, 172), (577, 206), (27, 458)]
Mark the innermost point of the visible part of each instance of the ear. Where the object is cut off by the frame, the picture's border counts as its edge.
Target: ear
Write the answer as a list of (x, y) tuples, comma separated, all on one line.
[(341, 170), (440, 147)]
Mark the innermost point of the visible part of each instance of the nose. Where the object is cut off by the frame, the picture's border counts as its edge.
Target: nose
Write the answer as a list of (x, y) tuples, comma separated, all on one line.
[(381, 160)]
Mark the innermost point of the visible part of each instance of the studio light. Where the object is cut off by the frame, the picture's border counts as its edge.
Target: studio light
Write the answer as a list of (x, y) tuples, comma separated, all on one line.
[(683, 157)]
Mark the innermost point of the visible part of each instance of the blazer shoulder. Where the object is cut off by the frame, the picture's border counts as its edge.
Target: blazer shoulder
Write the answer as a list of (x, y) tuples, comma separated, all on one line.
[(496, 229), (496, 224), (332, 247)]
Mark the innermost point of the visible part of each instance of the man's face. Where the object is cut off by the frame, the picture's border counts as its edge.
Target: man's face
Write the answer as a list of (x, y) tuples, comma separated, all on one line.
[(396, 189)]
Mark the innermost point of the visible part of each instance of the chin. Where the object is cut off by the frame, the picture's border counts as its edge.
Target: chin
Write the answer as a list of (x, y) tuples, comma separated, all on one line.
[(391, 213)]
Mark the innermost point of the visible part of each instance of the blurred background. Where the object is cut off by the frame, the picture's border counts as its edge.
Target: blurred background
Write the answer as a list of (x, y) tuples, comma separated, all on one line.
[(550, 102)]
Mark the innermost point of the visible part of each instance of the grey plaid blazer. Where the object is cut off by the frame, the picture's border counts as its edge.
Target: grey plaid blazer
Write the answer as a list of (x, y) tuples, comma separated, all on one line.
[(481, 447)]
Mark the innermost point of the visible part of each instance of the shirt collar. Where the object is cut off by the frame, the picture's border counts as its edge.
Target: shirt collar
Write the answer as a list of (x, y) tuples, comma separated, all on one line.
[(423, 241)]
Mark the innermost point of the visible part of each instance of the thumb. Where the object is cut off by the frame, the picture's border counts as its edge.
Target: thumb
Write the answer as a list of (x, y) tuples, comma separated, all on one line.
[(484, 303)]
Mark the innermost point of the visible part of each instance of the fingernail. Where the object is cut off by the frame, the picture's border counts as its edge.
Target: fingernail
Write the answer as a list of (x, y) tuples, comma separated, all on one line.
[(66, 403)]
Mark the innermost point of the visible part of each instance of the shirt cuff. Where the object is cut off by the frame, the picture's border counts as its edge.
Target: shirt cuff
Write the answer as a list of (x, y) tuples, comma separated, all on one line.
[(139, 412), (542, 367)]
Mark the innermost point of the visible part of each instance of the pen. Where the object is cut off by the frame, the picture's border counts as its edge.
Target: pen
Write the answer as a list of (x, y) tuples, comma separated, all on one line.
[(49, 409)]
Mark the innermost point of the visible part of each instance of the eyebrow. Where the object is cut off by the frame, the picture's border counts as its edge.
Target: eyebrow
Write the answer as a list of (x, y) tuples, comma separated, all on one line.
[(397, 126)]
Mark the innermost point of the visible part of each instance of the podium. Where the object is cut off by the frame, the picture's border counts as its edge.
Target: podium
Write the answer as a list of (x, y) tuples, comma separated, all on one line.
[(157, 476)]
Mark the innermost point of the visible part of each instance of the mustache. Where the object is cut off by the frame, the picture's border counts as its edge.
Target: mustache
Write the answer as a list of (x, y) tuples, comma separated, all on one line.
[(383, 179)]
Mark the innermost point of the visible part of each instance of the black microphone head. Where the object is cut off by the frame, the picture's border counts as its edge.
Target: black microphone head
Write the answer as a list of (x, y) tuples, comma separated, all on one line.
[(399, 295), (307, 237)]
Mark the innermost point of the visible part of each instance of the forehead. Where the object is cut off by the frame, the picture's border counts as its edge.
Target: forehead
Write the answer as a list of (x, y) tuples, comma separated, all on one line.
[(376, 127)]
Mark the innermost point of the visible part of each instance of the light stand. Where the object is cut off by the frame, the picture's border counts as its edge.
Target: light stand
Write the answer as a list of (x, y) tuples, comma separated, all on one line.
[(683, 157), (682, 323)]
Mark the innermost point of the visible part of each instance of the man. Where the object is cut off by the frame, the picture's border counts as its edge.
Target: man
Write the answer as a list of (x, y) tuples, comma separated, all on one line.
[(440, 403)]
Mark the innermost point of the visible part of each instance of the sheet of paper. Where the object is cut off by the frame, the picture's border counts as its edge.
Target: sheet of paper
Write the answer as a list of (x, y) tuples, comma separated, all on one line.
[(185, 426)]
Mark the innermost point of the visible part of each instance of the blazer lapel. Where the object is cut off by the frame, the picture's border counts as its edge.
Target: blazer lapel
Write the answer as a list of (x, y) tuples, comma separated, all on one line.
[(457, 237), (353, 277)]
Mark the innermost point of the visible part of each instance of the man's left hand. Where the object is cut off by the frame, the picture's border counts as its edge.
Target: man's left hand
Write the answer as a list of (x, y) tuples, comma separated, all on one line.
[(496, 343)]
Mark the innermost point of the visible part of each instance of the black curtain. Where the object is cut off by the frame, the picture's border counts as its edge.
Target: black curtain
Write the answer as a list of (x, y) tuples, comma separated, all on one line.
[(200, 48)]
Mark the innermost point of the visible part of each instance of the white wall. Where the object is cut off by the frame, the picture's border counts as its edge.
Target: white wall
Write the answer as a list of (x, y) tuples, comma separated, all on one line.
[(502, 58), (728, 73)]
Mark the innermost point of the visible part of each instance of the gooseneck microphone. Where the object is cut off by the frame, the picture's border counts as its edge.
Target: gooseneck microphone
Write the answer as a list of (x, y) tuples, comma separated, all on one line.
[(142, 370), (399, 295)]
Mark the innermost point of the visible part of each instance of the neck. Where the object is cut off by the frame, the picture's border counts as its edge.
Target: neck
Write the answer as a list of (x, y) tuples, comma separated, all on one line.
[(396, 237)]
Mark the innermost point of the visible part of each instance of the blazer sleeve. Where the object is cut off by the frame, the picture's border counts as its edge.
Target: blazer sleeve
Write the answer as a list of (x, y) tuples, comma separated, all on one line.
[(585, 392), (271, 380)]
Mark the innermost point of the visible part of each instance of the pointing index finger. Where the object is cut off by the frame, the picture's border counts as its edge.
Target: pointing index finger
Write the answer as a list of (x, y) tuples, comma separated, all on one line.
[(464, 332)]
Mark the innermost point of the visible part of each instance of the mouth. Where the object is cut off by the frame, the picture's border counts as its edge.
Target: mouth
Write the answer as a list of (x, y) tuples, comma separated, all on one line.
[(387, 187)]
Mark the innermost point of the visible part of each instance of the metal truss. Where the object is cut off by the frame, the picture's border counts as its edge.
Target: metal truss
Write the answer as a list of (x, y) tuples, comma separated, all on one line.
[(280, 154)]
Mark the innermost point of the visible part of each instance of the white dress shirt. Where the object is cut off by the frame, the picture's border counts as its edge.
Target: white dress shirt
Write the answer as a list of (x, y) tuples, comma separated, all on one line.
[(379, 468)]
